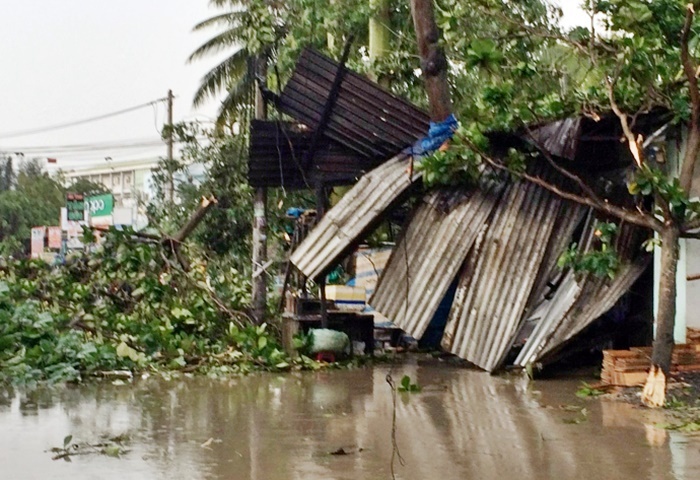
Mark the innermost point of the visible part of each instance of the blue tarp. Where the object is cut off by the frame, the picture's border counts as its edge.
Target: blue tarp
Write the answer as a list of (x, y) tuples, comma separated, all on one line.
[(438, 134)]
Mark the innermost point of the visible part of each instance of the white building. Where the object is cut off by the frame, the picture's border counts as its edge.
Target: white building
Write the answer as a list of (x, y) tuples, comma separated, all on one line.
[(130, 181)]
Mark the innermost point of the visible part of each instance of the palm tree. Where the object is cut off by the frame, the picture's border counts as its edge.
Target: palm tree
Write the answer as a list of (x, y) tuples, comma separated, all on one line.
[(237, 72)]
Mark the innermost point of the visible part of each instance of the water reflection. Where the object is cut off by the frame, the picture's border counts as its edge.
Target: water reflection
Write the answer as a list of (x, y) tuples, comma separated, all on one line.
[(465, 424)]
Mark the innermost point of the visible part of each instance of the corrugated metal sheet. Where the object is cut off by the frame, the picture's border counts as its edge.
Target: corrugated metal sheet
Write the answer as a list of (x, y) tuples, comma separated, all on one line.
[(365, 118), (579, 302), (343, 227), (559, 138), (499, 276), (277, 151), (570, 217), (420, 272)]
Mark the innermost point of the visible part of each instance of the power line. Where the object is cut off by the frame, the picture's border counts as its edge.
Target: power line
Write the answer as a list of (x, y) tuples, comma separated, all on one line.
[(83, 146), (87, 147), (59, 126)]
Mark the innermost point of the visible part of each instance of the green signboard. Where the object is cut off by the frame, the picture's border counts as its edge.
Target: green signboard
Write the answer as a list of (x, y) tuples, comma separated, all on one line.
[(100, 205), (75, 206)]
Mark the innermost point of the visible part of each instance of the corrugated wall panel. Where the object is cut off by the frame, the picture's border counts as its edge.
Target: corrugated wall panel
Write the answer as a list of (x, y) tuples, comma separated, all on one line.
[(429, 255), (579, 302), (360, 209), (598, 295), (568, 219), (277, 151), (497, 281)]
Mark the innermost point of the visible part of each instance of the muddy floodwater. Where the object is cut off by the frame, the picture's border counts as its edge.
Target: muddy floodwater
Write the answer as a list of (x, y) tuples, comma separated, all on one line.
[(463, 425)]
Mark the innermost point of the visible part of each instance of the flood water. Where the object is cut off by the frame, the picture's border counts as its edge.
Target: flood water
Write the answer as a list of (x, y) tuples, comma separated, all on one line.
[(464, 425)]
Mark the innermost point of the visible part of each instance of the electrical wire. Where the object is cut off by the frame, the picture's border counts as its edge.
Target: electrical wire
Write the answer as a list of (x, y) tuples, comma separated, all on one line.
[(88, 158), (88, 147), (80, 147), (60, 126)]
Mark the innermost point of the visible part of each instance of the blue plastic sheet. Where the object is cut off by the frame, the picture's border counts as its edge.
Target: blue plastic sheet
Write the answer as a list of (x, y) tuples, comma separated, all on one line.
[(438, 134), (295, 212)]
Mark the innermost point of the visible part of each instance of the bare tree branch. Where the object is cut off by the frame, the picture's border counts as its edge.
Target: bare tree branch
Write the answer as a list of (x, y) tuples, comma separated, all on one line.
[(632, 142), (593, 201), (690, 235), (689, 69), (570, 175), (687, 61), (693, 224)]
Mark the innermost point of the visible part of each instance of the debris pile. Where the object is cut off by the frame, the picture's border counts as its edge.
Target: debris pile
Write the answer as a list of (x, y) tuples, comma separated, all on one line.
[(628, 368)]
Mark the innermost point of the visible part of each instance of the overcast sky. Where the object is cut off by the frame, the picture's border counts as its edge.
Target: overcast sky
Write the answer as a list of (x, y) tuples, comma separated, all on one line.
[(73, 59)]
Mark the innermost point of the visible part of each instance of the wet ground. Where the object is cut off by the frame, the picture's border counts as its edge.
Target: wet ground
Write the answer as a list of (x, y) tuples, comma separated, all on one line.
[(463, 425)]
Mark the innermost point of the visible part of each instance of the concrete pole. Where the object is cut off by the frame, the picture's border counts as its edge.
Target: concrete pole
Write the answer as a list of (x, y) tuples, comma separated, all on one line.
[(259, 294)]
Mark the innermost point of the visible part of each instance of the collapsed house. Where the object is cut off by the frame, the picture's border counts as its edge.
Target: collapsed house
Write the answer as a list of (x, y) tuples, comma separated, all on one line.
[(489, 252)]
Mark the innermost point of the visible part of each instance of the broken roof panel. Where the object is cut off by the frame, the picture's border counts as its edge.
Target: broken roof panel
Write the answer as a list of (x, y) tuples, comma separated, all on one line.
[(365, 118), (499, 275), (559, 138), (592, 143), (344, 225), (429, 255), (550, 275), (579, 302), (278, 148)]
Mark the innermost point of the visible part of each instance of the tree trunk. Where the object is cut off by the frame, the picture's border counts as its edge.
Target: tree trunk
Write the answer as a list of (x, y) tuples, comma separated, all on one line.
[(379, 33), (654, 394), (432, 59)]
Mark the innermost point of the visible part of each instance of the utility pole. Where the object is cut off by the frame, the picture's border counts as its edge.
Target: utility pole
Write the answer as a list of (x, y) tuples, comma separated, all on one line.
[(171, 179), (259, 294)]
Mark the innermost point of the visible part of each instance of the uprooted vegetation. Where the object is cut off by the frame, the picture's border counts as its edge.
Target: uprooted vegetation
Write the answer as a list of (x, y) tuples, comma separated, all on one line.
[(129, 305)]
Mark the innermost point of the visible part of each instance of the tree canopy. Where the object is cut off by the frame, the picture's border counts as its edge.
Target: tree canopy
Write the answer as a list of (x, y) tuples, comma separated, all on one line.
[(30, 198)]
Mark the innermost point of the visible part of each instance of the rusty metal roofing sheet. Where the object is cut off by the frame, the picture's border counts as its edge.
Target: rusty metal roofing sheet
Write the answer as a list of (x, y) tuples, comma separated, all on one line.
[(365, 118), (499, 276), (278, 148), (580, 301), (559, 138), (429, 255), (343, 227)]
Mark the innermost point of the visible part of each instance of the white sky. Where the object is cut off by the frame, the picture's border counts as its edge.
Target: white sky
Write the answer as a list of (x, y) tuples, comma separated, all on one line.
[(573, 16), (73, 59)]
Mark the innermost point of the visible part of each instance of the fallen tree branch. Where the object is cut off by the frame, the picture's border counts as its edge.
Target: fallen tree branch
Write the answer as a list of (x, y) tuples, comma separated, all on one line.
[(234, 315), (205, 205)]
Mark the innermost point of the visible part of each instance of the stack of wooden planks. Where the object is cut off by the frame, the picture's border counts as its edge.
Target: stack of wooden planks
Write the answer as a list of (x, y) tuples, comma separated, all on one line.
[(630, 367)]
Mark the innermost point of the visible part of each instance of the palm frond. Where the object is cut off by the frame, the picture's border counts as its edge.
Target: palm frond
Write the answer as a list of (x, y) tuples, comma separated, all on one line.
[(229, 18), (225, 40), (240, 94), (232, 68)]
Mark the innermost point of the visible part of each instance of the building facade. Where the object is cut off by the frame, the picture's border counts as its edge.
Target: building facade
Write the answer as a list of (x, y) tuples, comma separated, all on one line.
[(129, 181)]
